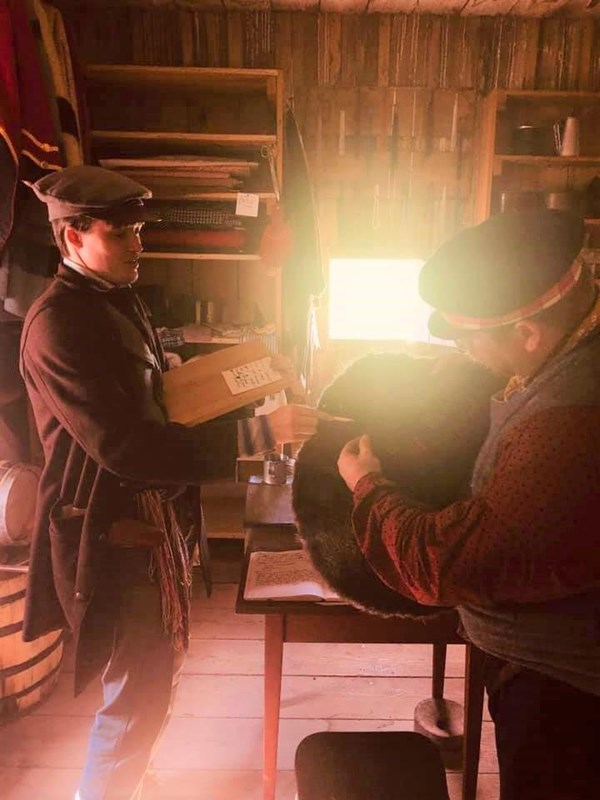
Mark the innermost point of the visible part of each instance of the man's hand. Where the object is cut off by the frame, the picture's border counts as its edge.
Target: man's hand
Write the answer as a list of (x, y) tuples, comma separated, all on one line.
[(357, 460), (293, 423), (173, 359), (284, 366)]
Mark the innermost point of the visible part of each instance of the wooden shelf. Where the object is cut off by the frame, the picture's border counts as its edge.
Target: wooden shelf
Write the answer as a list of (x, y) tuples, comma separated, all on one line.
[(545, 161), (500, 170), (546, 95), (211, 197), (181, 256), (139, 111), (216, 340), (196, 78), (226, 140), (220, 340)]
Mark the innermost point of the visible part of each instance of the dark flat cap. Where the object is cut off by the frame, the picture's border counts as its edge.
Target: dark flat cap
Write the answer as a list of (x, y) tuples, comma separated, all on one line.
[(507, 268), (96, 192)]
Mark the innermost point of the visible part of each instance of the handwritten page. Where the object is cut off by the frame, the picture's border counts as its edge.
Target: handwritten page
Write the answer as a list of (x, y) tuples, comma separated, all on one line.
[(246, 205), (285, 575), (250, 376)]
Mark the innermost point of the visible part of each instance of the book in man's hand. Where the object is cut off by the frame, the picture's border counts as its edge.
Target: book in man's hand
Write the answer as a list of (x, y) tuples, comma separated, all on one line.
[(285, 575)]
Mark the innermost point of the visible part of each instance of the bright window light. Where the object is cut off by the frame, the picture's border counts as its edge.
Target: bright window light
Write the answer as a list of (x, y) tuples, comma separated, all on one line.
[(376, 299)]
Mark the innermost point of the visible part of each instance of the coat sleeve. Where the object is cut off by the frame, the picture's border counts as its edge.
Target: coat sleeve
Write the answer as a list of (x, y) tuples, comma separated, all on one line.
[(74, 368), (531, 535)]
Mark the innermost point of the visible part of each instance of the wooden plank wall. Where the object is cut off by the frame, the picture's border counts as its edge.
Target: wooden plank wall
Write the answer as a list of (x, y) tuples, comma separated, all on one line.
[(387, 104), (382, 187)]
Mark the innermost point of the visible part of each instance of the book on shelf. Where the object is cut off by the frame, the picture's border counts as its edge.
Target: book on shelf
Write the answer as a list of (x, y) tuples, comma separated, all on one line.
[(285, 575), (179, 161)]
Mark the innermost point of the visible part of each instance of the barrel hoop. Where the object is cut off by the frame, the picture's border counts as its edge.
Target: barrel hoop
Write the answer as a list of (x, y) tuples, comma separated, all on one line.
[(14, 627), (33, 687), (12, 598), (8, 672)]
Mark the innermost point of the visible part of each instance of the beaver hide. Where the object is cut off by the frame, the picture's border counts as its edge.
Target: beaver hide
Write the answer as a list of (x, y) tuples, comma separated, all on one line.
[(427, 418)]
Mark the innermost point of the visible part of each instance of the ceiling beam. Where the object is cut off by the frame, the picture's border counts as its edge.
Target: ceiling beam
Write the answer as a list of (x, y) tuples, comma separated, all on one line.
[(522, 8)]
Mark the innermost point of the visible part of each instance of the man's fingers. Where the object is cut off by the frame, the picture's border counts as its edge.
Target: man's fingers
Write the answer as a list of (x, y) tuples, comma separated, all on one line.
[(286, 369), (364, 445), (284, 366), (299, 422), (351, 447)]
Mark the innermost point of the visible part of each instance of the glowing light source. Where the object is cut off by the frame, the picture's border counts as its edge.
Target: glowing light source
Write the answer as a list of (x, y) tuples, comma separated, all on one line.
[(376, 299)]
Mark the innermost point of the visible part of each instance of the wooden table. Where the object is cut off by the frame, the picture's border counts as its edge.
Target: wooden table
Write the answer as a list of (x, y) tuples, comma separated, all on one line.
[(269, 526)]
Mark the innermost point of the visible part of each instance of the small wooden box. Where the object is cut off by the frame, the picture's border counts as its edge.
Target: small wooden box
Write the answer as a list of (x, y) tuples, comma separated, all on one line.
[(197, 391)]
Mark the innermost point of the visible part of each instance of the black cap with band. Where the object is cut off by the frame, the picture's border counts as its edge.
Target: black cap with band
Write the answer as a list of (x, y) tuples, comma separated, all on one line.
[(508, 268)]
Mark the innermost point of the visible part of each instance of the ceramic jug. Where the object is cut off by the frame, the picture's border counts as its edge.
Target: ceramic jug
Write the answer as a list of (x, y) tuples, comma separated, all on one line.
[(566, 137)]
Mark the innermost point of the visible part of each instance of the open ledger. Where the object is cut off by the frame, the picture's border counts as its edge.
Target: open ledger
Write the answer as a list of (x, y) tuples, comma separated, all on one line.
[(285, 575)]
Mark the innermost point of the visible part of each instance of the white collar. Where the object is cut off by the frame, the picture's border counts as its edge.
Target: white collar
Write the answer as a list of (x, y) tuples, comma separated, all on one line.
[(99, 283)]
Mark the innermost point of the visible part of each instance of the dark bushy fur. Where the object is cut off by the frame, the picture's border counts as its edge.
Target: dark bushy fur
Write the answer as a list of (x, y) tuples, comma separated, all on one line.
[(427, 419)]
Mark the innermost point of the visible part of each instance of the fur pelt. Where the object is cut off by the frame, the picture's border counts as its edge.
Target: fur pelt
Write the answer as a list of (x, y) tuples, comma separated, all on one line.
[(427, 419)]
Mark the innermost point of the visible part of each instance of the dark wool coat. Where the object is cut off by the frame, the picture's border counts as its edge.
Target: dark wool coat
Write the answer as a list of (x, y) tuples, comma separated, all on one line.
[(92, 366)]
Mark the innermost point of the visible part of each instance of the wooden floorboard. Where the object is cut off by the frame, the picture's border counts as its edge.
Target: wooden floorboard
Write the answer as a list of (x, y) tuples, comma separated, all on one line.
[(193, 784), (212, 748)]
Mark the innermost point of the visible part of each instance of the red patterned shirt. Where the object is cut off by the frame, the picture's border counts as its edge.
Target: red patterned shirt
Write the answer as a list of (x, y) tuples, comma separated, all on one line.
[(532, 534)]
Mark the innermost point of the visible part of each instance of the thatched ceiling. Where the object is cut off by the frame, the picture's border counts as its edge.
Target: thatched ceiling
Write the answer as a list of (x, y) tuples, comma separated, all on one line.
[(524, 8)]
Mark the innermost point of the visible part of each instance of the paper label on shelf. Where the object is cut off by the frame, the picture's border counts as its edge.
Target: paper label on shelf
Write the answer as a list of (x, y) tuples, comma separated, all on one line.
[(246, 205), (250, 376)]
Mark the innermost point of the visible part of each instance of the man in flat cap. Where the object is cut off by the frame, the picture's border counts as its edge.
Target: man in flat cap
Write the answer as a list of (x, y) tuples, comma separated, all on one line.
[(108, 557), (521, 557)]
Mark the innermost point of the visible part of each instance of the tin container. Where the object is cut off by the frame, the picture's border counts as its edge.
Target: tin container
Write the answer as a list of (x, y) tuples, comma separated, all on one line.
[(532, 140), (207, 312), (520, 200), (275, 469), (568, 200)]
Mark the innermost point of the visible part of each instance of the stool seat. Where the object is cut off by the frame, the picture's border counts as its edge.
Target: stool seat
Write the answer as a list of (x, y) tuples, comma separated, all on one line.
[(395, 765)]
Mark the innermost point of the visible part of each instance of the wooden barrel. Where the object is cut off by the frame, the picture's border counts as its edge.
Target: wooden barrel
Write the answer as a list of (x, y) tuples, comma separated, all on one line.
[(28, 670), (18, 491)]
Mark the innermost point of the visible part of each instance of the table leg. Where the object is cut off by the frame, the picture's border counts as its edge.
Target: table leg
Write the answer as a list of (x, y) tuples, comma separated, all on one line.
[(274, 633), (438, 671), (474, 691)]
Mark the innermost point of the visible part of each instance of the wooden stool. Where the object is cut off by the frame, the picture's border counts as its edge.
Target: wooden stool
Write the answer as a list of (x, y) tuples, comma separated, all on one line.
[(398, 765)]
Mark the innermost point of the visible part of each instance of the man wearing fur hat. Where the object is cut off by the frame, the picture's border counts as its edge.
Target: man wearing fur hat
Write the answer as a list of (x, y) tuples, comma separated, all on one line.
[(520, 558), (108, 557)]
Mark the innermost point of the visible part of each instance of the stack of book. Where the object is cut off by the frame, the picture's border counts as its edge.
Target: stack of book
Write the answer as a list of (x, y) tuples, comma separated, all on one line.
[(189, 173)]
